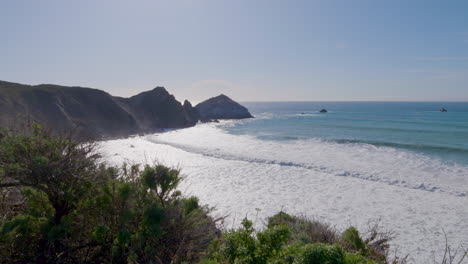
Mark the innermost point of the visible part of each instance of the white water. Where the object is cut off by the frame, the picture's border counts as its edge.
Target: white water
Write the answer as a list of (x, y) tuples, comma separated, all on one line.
[(345, 184)]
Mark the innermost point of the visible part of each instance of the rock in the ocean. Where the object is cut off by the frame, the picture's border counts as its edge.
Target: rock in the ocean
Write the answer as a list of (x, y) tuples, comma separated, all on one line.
[(221, 107), (442, 110), (323, 111)]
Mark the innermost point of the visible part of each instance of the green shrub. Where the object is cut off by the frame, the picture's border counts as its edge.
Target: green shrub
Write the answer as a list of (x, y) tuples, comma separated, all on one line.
[(78, 210), (274, 245), (352, 239), (357, 258), (322, 254), (244, 245), (304, 230)]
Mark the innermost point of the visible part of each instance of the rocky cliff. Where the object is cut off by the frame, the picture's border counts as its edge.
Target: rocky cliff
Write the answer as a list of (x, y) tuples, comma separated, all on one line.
[(91, 111), (96, 113), (221, 107), (157, 109)]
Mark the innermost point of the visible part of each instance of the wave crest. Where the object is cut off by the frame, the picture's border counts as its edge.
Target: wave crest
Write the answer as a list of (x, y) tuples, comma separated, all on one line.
[(347, 158)]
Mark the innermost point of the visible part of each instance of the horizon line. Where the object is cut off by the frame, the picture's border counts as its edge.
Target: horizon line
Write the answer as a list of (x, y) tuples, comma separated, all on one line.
[(352, 101), (255, 101)]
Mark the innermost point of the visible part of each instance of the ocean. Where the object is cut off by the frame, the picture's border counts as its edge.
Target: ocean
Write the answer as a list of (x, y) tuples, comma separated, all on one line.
[(413, 126), (402, 163)]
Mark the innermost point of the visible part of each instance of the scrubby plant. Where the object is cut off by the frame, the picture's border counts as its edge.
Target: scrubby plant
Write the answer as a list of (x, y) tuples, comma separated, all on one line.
[(278, 243), (453, 256), (322, 253), (77, 210), (353, 240), (305, 230), (374, 245), (244, 245)]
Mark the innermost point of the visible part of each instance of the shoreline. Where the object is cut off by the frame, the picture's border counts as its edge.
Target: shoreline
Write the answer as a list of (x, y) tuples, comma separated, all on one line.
[(220, 183)]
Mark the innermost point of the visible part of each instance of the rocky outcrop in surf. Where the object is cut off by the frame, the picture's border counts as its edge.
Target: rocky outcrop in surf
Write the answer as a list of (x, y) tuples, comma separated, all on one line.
[(221, 107)]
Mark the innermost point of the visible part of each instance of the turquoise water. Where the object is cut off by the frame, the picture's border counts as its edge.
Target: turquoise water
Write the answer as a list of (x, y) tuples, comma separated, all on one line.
[(412, 126)]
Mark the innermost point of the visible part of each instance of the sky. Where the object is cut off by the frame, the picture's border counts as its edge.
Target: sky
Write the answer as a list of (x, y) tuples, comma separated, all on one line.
[(250, 50)]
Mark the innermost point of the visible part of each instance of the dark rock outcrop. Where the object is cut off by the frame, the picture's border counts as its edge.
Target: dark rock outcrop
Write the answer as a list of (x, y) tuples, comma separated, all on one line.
[(192, 113), (323, 111), (157, 109), (96, 113), (92, 112), (221, 107)]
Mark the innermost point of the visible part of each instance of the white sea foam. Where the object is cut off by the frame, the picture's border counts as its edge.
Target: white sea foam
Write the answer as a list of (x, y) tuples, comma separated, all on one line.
[(364, 161), (344, 184)]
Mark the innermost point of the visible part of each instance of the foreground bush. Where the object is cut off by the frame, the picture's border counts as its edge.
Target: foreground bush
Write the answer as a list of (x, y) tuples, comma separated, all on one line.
[(286, 240), (76, 210)]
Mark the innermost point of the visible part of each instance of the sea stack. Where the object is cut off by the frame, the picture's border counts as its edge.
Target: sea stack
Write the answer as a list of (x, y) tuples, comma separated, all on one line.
[(221, 107)]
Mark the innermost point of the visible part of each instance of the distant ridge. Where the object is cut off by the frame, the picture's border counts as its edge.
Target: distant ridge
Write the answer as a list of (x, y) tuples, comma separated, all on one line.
[(95, 112)]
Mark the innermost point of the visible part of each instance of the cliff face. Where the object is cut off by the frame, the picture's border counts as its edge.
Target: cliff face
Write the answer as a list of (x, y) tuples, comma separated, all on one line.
[(192, 113), (96, 113), (221, 107), (158, 109), (92, 111)]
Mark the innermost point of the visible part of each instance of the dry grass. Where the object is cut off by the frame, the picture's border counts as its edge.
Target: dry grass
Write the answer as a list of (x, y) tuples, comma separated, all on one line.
[(306, 230), (452, 256)]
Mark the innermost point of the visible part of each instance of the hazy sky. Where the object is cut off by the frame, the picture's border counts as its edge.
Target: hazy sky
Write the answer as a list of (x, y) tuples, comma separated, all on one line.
[(250, 50)]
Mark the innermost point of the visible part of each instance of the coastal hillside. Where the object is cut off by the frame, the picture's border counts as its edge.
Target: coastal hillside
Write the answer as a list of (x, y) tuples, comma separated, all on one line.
[(157, 109), (94, 112), (63, 108)]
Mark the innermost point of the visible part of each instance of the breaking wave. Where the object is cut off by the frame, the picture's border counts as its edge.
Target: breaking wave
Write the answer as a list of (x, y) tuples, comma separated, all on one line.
[(373, 161)]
